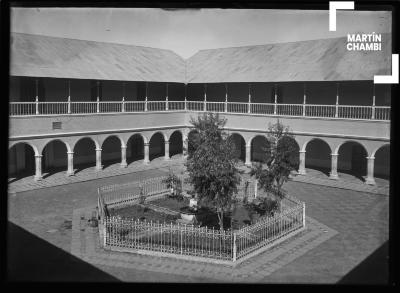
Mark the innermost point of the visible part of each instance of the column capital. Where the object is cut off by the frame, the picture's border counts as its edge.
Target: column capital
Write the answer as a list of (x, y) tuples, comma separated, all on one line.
[(302, 152), (370, 158), (166, 142), (146, 144), (334, 154), (123, 146), (70, 153), (98, 150), (38, 156)]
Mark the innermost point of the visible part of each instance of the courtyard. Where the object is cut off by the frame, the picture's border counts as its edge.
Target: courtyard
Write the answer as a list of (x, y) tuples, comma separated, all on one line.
[(357, 222)]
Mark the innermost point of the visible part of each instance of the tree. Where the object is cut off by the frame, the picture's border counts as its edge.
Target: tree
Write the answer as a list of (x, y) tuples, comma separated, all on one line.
[(211, 165), (279, 160)]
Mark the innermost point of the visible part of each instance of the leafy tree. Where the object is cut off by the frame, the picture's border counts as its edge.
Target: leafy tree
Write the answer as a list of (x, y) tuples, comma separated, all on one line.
[(279, 160), (174, 183), (211, 165)]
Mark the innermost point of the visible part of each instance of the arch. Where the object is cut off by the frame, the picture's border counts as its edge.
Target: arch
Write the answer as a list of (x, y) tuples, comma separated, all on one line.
[(240, 145), (164, 135), (21, 160), (96, 143), (352, 159), (289, 147), (192, 138), (349, 141), (318, 155), (111, 150), (35, 149), (156, 146), (176, 143), (259, 145), (382, 162), (85, 153), (135, 148), (55, 157)]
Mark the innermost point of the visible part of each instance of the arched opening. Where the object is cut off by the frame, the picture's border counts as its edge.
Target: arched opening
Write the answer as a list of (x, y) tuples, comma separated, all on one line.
[(55, 158), (135, 148), (290, 150), (352, 159), (259, 145), (111, 151), (21, 161), (382, 163), (318, 156), (175, 143), (193, 137), (157, 146), (84, 154), (240, 146)]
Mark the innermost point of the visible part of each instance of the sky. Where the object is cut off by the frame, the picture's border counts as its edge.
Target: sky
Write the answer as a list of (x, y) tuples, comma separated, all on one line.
[(187, 31)]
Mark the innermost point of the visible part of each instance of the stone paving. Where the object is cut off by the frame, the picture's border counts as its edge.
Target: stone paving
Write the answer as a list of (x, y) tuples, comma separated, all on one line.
[(360, 219), (85, 245)]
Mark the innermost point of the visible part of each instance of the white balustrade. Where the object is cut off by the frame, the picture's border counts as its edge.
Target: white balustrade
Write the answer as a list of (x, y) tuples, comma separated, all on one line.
[(134, 106), (309, 110), (83, 107), (237, 107), (320, 110), (262, 108), (176, 105), (22, 108), (354, 112), (289, 109), (156, 105), (195, 106), (215, 106), (110, 107)]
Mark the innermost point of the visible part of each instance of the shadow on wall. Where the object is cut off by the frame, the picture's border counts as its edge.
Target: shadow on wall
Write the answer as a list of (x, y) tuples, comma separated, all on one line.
[(373, 270), (30, 258)]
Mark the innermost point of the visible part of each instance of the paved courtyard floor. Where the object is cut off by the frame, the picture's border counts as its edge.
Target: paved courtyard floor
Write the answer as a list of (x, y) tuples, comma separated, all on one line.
[(357, 225)]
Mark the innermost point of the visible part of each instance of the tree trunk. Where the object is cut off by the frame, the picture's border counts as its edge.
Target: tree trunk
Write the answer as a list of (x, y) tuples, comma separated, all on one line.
[(221, 219)]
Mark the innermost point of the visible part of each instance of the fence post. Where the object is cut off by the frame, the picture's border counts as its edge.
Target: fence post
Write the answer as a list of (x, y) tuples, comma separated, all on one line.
[(98, 105), (37, 105), (185, 104), (104, 233), (123, 104), (304, 214), (234, 246), (69, 105), (255, 188)]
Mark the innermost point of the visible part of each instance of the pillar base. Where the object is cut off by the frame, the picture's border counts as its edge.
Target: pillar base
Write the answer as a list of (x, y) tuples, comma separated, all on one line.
[(370, 181), (301, 172), (124, 165), (146, 162), (98, 169), (70, 173), (167, 159), (38, 178), (248, 164), (333, 176)]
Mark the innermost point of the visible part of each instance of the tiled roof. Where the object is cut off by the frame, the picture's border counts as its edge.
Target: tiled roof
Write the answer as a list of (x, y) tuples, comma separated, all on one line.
[(315, 60)]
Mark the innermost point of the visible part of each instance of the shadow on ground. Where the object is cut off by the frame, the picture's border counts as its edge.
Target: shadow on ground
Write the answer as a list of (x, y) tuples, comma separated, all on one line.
[(373, 270), (30, 258)]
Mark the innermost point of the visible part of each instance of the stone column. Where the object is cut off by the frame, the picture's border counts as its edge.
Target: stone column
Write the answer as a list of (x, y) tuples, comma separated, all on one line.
[(302, 164), (146, 153), (38, 167), (166, 156), (70, 170), (123, 156), (185, 142), (248, 155), (370, 175), (333, 174), (98, 160)]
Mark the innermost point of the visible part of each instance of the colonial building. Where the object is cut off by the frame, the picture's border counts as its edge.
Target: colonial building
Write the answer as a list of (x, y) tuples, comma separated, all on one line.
[(76, 103)]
